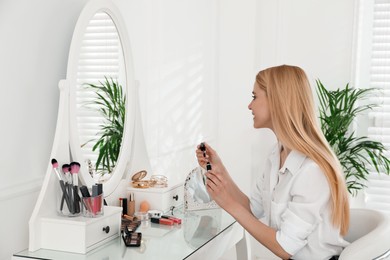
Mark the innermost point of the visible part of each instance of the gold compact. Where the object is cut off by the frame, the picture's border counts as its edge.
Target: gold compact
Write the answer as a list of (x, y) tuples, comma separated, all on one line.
[(138, 182)]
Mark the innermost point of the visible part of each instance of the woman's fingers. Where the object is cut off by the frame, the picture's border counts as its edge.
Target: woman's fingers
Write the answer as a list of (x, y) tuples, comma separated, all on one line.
[(213, 178)]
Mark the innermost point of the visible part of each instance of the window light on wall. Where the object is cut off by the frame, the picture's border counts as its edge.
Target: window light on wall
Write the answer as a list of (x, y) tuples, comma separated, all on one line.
[(378, 191)]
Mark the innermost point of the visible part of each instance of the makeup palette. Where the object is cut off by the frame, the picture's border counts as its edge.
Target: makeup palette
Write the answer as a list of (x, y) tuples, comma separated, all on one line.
[(129, 225), (132, 239)]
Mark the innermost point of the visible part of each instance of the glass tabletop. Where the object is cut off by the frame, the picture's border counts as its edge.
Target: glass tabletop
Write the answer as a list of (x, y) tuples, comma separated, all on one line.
[(158, 241)]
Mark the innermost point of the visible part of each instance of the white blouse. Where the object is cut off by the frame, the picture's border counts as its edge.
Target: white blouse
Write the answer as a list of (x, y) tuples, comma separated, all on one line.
[(295, 200)]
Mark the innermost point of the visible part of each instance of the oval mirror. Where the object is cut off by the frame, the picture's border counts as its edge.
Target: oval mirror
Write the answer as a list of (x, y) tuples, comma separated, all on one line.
[(102, 95)]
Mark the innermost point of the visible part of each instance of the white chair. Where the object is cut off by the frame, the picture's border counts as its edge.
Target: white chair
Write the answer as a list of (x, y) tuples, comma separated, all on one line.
[(369, 235)]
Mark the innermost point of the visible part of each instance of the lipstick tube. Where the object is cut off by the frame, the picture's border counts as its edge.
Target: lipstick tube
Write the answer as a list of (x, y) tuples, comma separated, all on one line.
[(162, 221), (174, 219)]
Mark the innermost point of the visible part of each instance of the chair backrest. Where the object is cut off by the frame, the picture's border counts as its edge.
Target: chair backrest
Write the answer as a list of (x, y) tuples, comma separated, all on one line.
[(369, 235)]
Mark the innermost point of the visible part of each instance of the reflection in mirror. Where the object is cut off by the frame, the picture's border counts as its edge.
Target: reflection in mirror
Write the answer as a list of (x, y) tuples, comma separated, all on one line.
[(201, 226), (101, 71)]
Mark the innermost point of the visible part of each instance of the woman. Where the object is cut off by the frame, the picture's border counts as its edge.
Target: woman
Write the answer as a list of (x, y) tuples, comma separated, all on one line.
[(301, 196)]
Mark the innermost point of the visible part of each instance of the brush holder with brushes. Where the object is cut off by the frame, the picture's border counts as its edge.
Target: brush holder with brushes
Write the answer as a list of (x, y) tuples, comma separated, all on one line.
[(68, 200)]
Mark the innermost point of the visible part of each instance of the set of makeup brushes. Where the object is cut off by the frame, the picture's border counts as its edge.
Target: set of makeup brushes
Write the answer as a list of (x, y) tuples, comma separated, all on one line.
[(68, 180)]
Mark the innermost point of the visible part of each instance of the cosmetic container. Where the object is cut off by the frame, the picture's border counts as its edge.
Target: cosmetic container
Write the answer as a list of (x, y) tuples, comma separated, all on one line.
[(131, 207), (93, 206), (68, 200), (144, 218)]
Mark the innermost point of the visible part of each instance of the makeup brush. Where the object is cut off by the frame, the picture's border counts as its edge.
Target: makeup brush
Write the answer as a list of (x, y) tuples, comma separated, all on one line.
[(74, 170), (54, 163), (65, 171)]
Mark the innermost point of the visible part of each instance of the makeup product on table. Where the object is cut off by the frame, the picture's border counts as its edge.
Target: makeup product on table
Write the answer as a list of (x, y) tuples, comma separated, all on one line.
[(130, 223), (138, 180), (158, 181), (74, 170), (133, 225), (143, 217), (99, 188), (131, 205), (124, 206), (62, 185), (65, 171), (93, 203), (129, 217), (132, 239), (162, 221), (144, 206), (85, 193), (174, 219), (154, 213)]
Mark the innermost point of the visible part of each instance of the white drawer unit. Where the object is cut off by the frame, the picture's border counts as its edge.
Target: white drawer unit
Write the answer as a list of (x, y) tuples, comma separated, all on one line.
[(80, 234), (159, 198)]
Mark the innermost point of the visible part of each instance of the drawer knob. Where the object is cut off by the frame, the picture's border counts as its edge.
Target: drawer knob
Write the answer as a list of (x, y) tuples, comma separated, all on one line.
[(176, 197), (106, 229)]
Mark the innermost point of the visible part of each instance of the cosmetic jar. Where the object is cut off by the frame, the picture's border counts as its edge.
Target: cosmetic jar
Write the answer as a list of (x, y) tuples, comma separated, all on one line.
[(154, 213), (143, 217), (68, 200), (158, 181), (93, 206)]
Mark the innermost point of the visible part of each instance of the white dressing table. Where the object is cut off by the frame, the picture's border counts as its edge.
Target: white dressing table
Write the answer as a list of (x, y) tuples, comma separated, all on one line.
[(204, 234)]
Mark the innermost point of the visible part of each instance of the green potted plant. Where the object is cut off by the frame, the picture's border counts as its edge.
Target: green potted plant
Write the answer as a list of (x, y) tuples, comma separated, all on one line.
[(111, 103), (358, 155)]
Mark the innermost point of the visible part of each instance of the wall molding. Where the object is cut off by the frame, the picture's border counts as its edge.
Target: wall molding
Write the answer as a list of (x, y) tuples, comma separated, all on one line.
[(22, 188)]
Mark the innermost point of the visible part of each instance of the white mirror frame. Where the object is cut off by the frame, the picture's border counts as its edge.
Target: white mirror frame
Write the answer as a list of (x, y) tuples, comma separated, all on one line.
[(92, 7)]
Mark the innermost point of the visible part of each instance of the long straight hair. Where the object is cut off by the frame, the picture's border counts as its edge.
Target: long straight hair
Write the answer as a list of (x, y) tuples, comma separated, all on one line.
[(295, 124)]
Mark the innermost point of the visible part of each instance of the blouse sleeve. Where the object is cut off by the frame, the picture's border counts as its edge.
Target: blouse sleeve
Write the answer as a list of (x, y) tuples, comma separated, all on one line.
[(310, 196), (256, 199)]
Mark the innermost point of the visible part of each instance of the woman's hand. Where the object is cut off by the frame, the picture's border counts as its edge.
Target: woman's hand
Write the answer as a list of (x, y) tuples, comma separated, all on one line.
[(211, 156), (219, 184), (221, 188)]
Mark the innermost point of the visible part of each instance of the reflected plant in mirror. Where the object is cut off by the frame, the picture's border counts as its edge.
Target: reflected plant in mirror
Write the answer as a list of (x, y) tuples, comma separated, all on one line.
[(110, 101)]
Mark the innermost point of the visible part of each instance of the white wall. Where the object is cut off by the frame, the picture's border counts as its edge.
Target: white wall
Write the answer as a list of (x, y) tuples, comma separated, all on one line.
[(34, 44), (317, 35)]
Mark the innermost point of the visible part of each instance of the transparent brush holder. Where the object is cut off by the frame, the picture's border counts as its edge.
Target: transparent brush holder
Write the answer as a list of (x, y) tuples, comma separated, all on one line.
[(68, 200), (93, 206)]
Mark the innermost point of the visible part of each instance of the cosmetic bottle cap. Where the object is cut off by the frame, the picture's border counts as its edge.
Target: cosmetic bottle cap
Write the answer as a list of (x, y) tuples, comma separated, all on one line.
[(155, 220)]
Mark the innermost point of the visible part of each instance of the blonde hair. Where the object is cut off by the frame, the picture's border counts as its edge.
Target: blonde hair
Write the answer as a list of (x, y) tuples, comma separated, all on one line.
[(295, 124)]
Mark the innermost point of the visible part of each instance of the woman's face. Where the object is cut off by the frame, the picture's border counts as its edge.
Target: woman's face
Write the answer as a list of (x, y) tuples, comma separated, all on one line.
[(260, 109)]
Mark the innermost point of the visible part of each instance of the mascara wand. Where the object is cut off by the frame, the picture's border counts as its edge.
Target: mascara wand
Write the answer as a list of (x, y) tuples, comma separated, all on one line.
[(202, 147)]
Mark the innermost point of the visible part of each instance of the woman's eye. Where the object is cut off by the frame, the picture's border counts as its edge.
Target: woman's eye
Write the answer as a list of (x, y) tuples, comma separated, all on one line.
[(253, 96)]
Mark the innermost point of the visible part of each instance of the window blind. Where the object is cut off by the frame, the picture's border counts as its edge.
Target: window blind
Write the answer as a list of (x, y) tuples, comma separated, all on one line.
[(100, 56), (378, 190)]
